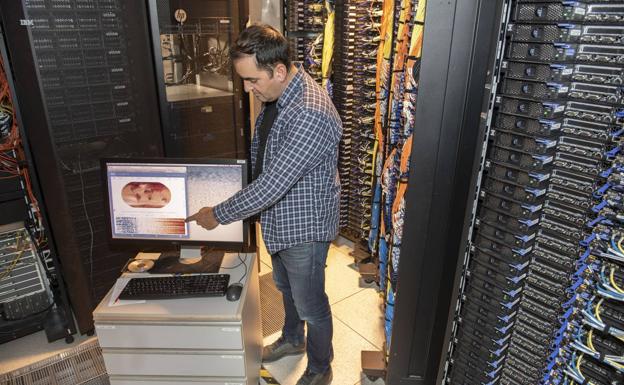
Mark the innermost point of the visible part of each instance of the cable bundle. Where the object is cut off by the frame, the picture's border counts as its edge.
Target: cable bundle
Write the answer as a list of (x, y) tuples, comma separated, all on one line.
[(396, 142), (354, 82), (305, 27), (12, 157)]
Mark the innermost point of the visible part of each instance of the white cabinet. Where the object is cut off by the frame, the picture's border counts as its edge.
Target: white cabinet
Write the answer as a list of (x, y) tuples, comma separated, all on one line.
[(208, 341)]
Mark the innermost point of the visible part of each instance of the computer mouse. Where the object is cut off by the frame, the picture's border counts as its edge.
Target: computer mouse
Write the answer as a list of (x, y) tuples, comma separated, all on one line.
[(234, 291)]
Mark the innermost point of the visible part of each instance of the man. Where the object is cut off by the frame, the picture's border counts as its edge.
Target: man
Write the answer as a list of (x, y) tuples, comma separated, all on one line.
[(295, 190)]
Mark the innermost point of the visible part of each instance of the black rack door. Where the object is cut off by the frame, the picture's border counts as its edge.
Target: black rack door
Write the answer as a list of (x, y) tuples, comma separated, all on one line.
[(459, 43)]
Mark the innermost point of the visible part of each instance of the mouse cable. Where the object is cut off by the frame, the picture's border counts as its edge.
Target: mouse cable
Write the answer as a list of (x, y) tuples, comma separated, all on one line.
[(245, 264), (242, 262)]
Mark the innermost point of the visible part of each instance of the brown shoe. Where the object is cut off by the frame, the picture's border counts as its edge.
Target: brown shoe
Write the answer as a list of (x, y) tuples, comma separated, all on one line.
[(281, 348)]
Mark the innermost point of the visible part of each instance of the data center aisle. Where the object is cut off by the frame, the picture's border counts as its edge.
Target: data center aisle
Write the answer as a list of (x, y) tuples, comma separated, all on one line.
[(358, 320)]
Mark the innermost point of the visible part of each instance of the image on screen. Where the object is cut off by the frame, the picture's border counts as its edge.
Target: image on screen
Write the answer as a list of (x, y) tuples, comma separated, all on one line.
[(149, 201)]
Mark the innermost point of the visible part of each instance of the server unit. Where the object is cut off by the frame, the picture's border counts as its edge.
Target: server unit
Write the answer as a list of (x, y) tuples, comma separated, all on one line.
[(25, 295)]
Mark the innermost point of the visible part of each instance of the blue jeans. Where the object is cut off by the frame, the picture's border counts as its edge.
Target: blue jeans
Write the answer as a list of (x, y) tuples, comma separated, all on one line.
[(299, 273)]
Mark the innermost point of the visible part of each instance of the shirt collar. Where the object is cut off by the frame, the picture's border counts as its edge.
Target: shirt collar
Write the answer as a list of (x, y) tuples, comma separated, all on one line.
[(292, 87)]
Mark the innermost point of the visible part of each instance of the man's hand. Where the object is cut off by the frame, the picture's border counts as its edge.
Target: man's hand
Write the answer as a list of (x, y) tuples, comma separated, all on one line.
[(205, 218)]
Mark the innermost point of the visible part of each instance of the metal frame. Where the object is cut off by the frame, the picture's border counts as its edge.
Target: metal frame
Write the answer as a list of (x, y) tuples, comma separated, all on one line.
[(458, 49)]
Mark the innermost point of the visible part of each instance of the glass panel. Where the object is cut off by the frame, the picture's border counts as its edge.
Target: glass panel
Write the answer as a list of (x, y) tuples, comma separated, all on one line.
[(199, 104), (195, 59)]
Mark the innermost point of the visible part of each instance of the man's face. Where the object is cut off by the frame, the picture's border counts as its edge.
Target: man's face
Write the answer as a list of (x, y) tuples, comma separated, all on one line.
[(265, 87)]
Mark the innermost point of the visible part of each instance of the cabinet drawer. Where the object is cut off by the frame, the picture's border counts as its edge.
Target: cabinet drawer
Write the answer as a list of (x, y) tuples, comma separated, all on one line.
[(174, 363), (179, 336)]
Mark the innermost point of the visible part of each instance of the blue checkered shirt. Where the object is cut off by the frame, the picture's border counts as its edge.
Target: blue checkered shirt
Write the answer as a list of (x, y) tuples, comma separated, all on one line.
[(298, 192)]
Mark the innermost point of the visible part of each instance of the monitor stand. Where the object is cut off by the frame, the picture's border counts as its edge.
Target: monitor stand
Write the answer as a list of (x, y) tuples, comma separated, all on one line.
[(190, 254), (188, 260)]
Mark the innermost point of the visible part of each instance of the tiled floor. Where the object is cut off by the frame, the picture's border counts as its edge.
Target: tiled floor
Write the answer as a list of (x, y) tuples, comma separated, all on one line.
[(358, 321), (358, 325)]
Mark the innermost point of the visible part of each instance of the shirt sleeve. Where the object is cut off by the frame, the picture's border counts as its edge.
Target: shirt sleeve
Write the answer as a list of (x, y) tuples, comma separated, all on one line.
[(311, 137)]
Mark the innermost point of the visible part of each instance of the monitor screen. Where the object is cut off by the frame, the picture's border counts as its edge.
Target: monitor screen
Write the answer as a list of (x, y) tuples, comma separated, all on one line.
[(148, 200)]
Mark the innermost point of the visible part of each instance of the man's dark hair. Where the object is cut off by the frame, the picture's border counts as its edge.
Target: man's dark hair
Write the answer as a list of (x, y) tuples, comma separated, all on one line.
[(265, 42)]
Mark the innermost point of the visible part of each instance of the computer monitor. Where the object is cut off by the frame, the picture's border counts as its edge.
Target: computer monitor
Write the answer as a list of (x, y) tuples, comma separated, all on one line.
[(149, 199)]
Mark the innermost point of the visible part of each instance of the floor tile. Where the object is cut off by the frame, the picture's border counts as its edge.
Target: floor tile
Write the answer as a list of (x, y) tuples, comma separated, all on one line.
[(353, 265), (265, 268), (344, 245), (265, 258), (337, 257), (341, 279), (260, 242), (347, 347), (342, 241), (346, 366), (363, 313), (287, 370), (264, 255)]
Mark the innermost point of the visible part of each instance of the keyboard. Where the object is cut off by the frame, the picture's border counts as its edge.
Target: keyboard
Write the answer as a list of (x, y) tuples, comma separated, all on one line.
[(179, 286)]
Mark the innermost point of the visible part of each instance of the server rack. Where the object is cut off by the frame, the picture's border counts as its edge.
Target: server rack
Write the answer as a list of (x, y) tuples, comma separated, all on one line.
[(84, 78), (34, 293), (510, 284)]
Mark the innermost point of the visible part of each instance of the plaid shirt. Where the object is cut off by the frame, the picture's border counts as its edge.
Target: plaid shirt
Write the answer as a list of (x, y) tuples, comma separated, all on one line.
[(298, 192)]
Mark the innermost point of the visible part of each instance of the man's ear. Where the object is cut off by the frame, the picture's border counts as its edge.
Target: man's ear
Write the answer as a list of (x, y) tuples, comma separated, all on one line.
[(280, 72)]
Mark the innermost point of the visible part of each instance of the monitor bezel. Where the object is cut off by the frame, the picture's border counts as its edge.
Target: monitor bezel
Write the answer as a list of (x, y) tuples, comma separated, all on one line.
[(154, 244)]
